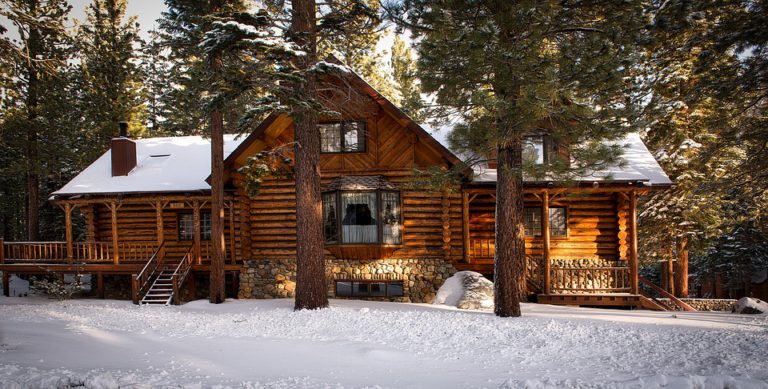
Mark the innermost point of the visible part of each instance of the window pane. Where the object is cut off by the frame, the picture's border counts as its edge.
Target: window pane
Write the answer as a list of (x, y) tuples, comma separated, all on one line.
[(390, 218), (532, 221), (533, 149), (330, 222), (354, 136), (358, 223), (558, 224), (378, 289), (186, 226), (205, 226), (343, 289), (359, 289), (395, 289), (330, 137)]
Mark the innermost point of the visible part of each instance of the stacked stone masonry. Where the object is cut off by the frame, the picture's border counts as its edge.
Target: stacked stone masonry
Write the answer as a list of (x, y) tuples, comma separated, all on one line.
[(276, 278)]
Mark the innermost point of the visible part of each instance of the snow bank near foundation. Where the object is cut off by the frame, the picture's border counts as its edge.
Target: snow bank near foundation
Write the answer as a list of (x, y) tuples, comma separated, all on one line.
[(466, 290), (750, 305)]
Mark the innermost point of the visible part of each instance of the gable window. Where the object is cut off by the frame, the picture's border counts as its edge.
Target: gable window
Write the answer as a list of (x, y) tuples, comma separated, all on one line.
[(187, 226), (342, 137), (558, 221), (541, 149)]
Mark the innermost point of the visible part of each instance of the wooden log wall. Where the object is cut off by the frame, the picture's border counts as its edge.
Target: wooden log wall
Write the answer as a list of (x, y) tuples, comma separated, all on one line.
[(431, 223), (593, 225), (137, 222)]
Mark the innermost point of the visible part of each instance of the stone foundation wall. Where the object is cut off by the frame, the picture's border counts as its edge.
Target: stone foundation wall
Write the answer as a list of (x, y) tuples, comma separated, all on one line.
[(706, 304), (276, 278)]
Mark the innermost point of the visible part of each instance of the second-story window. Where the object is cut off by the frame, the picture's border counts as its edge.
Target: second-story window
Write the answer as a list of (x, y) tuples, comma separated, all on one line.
[(541, 149), (342, 137)]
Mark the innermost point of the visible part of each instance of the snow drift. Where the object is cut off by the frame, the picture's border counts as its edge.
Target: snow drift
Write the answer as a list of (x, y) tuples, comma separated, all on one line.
[(748, 305)]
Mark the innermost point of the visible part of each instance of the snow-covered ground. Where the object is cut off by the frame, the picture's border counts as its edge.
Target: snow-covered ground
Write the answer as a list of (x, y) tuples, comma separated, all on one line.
[(263, 343)]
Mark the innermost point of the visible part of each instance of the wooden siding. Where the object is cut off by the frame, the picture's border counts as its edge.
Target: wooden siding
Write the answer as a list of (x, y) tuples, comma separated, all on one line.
[(593, 226)]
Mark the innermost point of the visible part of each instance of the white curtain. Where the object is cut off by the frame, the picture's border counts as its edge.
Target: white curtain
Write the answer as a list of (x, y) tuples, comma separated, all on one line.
[(359, 217)]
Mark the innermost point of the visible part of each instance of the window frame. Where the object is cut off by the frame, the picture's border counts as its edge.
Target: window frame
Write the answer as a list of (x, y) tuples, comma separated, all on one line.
[(368, 283), (203, 234), (337, 194), (550, 149), (342, 142), (541, 218)]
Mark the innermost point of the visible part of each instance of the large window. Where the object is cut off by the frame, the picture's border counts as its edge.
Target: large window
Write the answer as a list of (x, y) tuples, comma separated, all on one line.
[(369, 288), (558, 221), (342, 137), (187, 226), (362, 217)]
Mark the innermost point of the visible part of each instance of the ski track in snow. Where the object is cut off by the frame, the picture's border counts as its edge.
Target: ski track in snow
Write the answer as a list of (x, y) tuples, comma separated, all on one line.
[(252, 343)]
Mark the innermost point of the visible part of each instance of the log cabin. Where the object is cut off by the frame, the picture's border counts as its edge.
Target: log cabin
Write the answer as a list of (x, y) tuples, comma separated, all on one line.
[(146, 208)]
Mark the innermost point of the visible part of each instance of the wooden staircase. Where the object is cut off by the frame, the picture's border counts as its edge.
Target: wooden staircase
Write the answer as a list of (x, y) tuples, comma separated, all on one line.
[(161, 291), (161, 280)]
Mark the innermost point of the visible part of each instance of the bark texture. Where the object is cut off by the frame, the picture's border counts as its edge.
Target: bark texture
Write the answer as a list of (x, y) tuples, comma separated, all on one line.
[(310, 270), (217, 290), (509, 270), (32, 148)]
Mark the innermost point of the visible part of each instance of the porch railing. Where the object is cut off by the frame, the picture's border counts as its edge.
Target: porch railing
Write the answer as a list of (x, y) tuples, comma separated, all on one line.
[(609, 279), (82, 252)]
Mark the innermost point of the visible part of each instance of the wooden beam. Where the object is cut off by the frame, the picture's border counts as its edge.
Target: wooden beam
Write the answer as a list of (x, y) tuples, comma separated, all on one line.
[(465, 224), (446, 219), (2, 251), (546, 238), (137, 199), (232, 258), (113, 207), (89, 212), (6, 284), (633, 260), (100, 285), (68, 231)]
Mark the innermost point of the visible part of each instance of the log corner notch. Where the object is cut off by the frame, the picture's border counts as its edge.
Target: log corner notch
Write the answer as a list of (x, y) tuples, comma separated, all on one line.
[(446, 221), (634, 267)]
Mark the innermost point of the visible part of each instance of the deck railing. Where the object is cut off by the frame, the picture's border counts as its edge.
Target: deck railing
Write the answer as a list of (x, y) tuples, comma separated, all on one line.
[(609, 279), (82, 252)]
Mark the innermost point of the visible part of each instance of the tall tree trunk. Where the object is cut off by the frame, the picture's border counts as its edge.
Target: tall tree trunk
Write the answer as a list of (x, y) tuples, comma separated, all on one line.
[(311, 290), (32, 148), (681, 268), (509, 267), (217, 287)]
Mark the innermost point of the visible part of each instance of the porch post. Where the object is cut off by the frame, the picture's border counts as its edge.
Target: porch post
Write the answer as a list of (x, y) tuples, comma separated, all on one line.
[(545, 233), (68, 230), (2, 251), (196, 218), (159, 205), (465, 224), (115, 240), (232, 232), (633, 260), (100, 285), (6, 284)]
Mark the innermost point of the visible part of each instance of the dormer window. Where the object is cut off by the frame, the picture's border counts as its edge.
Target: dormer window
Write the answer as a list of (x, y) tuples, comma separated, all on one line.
[(539, 149), (362, 210), (342, 137)]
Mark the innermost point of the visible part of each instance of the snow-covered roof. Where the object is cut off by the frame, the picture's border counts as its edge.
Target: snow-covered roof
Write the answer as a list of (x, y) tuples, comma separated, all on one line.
[(171, 164), (640, 165)]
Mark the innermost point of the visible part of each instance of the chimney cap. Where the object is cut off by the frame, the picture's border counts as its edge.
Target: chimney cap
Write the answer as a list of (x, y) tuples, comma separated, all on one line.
[(123, 129)]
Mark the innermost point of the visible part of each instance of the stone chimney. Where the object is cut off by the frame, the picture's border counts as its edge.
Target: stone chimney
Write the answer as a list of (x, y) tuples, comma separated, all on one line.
[(123, 153)]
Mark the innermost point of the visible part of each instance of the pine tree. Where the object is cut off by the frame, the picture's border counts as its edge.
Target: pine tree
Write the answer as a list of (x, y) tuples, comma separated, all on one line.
[(408, 90), (43, 46), (155, 73), (508, 67), (111, 79)]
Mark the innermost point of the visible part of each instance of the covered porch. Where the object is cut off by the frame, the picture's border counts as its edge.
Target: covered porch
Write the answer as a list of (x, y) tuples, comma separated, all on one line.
[(583, 252), (125, 236)]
